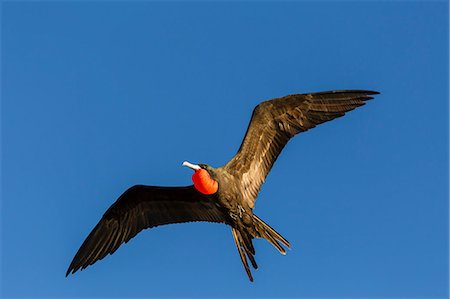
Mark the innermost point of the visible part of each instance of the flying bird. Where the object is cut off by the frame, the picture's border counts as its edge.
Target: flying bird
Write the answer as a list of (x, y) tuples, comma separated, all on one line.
[(225, 194)]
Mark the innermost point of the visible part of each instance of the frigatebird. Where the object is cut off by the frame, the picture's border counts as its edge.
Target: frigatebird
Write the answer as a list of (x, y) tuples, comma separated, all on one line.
[(225, 194)]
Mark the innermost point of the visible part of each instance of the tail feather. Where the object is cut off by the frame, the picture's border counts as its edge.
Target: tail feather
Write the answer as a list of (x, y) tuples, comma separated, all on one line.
[(270, 234), (248, 247), (273, 241), (240, 247), (244, 242), (247, 241)]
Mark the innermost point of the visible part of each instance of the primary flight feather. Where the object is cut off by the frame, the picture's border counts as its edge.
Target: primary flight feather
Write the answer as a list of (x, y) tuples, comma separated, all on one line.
[(225, 194)]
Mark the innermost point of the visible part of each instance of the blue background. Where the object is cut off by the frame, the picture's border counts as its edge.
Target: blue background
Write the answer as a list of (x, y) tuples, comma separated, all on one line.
[(97, 97)]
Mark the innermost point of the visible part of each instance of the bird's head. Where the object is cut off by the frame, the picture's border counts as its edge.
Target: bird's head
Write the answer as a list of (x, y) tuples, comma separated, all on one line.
[(203, 178)]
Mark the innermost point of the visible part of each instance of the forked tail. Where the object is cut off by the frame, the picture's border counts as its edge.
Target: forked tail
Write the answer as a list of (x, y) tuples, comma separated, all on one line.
[(244, 242)]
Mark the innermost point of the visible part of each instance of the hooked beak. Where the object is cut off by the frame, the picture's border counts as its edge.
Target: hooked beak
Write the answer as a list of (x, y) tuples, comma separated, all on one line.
[(190, 165)]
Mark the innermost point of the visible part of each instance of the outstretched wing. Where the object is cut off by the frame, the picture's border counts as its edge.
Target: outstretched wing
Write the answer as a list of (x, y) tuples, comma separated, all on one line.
[(276, 121), (142, 207)]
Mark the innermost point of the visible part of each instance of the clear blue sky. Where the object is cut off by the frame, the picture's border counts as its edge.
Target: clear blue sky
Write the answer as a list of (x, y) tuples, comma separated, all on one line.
[(97, 97)]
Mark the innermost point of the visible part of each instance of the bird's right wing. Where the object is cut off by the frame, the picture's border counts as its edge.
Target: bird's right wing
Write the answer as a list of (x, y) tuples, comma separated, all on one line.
[(142, 207), (276, 121)]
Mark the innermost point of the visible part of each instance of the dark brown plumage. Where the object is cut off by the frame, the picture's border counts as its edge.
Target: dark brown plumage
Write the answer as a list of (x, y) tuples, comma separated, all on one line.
[(272, 125), (142, 207)]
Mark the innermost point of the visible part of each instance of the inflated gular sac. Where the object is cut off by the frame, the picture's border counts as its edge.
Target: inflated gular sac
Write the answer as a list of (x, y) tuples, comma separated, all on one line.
[(204, 183)]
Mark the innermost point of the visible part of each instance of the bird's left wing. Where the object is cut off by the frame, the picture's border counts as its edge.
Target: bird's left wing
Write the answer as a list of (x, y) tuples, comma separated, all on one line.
[(142, 207), (276, 121)]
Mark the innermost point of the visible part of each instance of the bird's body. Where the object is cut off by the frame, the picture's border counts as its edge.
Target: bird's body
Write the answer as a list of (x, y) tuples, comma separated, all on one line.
[(225, 194)]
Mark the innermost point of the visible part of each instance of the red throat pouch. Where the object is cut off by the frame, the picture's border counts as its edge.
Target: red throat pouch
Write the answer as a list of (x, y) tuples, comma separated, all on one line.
[(204, 183)]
